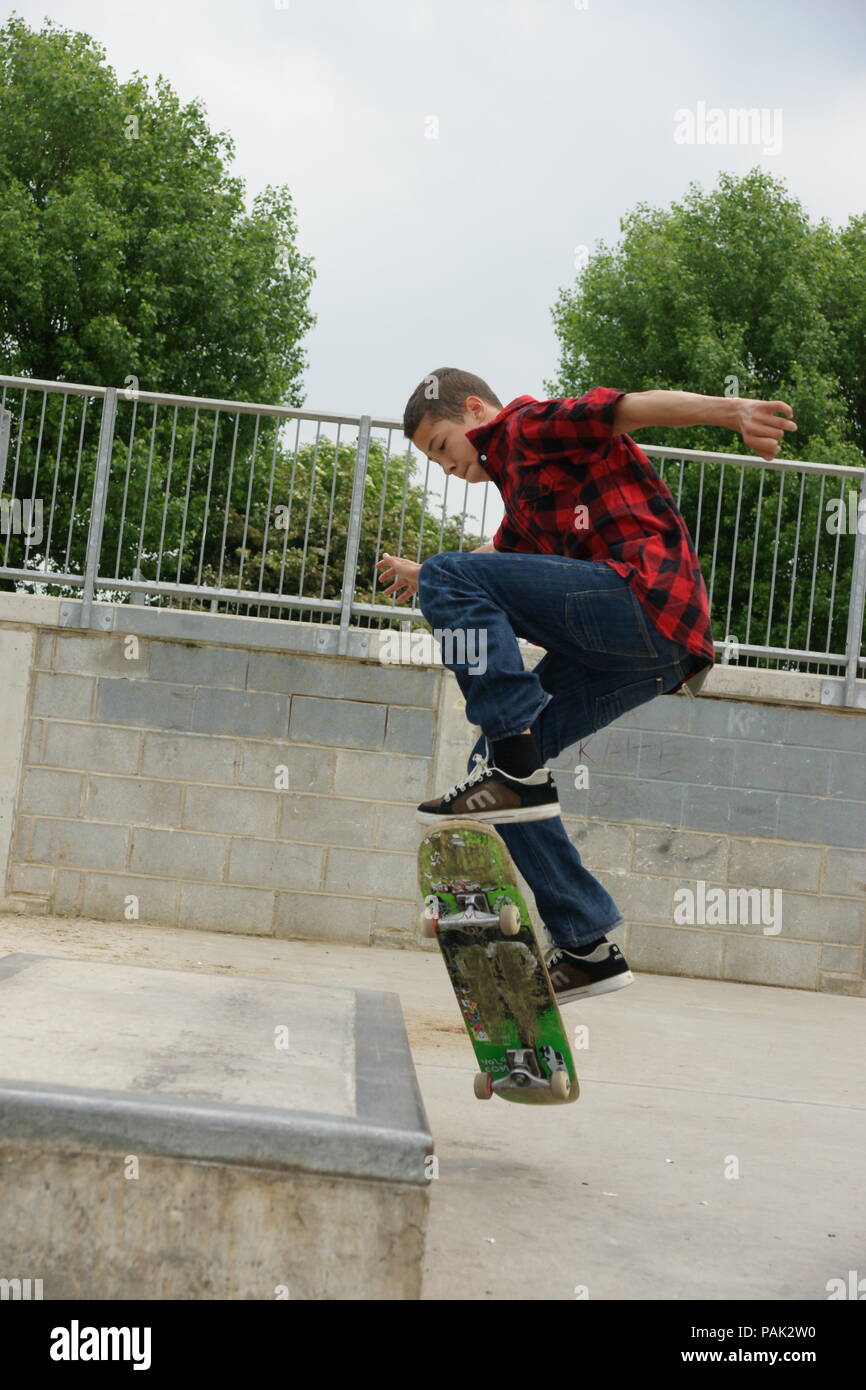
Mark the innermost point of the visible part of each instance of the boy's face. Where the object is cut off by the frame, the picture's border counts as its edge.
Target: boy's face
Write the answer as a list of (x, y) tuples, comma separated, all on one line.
[(445, 442)]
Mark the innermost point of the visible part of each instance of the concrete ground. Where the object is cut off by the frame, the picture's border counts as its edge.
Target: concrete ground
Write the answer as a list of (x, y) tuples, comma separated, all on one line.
[(716, 1150)]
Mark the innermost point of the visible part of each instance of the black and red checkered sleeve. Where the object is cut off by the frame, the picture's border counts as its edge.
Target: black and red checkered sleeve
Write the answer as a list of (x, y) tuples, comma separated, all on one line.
[(567, 424)]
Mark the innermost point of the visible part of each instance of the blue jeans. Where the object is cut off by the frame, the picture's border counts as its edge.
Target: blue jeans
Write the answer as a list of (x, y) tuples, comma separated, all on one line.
[(604, 657)]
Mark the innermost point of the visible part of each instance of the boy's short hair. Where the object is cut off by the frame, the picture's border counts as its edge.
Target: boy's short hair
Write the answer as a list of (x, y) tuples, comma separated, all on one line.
[(442, 395)]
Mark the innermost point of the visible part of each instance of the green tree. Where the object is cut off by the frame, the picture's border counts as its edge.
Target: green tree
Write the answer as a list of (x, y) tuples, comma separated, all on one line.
[(127, 248), (735, 292), (129, 257)]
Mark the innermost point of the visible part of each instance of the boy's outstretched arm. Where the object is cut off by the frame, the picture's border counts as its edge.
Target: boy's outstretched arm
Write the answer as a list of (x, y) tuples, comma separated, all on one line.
[(758, 422)]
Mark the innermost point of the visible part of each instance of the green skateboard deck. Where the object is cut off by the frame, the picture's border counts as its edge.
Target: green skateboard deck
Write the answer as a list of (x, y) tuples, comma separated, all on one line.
[(474, 908)]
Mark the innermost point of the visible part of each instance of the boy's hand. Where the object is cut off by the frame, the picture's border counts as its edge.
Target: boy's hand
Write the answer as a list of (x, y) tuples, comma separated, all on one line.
[(761, 427), (403, 573)]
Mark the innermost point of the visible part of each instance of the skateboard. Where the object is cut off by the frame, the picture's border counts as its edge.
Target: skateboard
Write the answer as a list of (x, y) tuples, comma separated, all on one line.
[(475, 910)]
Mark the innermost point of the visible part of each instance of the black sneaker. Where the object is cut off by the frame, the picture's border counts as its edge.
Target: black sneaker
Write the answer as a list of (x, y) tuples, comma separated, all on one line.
[(574, 976), (487, 794)]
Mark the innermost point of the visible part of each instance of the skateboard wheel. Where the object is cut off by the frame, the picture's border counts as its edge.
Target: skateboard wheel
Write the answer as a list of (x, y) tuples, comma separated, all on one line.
[(560, 1085), (483, 1085), (509, 919), (429, 925)]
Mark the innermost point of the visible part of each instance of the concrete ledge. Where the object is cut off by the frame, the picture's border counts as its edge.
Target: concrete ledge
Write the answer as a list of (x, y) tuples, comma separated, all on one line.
[(237, 1101), (416, 648)]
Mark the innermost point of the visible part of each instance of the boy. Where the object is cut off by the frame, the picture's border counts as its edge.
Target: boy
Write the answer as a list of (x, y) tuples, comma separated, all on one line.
[(596, 565)]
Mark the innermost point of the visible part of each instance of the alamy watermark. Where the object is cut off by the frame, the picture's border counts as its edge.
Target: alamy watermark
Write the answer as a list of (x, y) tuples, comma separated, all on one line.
[(737, 126), (22, 518)]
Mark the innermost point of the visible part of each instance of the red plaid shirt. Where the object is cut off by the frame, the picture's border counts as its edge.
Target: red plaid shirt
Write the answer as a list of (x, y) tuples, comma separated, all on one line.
[(549, 458)]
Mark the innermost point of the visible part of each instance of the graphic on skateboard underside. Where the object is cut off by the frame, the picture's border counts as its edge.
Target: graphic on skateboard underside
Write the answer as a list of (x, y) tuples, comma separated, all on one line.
[(499, 979)]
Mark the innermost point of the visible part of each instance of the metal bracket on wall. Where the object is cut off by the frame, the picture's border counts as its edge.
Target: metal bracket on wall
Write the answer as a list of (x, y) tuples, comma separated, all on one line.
[(332, 642), (833, 693), (99, 619)]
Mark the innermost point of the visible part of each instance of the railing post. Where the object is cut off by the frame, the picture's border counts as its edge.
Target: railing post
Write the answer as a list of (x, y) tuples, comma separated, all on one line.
[(353, 534), (858, 600), (100, 497), (5, 432)]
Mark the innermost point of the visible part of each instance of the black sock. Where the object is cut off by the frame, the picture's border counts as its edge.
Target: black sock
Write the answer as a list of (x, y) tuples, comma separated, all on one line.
[(517, 756), (586, 946)]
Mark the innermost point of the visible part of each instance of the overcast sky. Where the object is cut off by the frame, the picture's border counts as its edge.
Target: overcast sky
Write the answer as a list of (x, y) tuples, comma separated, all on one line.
[(550, 120)]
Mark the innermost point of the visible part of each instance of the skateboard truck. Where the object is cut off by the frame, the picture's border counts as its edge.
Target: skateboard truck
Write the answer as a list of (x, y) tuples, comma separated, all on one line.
[(525, 1074)]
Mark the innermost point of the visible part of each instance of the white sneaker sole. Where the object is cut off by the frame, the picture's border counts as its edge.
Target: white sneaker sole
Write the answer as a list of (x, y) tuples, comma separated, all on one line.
[(516, 813), (600, 987)]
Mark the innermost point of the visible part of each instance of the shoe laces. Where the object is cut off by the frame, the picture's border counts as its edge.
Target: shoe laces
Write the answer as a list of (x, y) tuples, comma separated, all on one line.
[(481, 769)]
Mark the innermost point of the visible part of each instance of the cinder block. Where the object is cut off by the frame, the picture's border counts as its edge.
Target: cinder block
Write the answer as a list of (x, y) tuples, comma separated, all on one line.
[(611, 750), (684, 758), (825, 728), (106, 899), (780, 767), (842, 984), (63, 697), (810, 917), (679, 852), (323, 917), (219, 907), (636, 799), (844, 959), (232, 810), (753, 813), (398, 828), (385, 778), (178, 854), (371, 873), (346, 723), (332, 820), (574, 801), (22, 836), (144, 703), (31, 878), (189, 664), (731, 810), (823, 821), (43, 655), (51, 793), (275, 864), (707, 808), (341, 677), (67, 893), (35, 740), (186, 757), (846, 774), (99, 654), (91, 747), (844, 872), (689, 951), (600, 844), (241, 712), (396, 917), (639, 897), (78, 844), (410, 730), (138, 801), (661, 715), (307, 769), (774, 865), (738, 719), (770, 960)]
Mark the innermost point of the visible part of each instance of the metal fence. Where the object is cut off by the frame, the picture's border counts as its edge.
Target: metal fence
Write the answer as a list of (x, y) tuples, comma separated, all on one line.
[(149, 498)]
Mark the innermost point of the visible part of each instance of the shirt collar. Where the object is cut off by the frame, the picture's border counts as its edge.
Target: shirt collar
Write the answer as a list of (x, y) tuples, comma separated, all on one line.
[(485, 438)]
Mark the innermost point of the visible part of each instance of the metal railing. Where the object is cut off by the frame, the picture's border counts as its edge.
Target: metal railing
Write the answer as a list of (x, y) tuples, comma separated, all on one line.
[(218, 504)]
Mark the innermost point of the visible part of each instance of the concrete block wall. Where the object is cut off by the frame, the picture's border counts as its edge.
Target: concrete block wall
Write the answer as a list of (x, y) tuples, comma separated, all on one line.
[(216, 784), (267, 793), (737, 796)]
